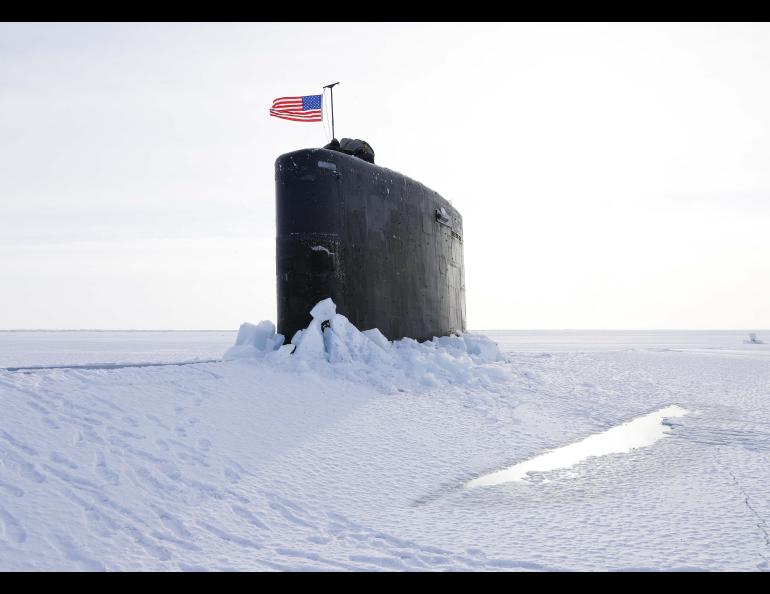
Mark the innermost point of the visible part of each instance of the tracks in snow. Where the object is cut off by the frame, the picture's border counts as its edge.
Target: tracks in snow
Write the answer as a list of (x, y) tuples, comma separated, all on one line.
[(119, 471)]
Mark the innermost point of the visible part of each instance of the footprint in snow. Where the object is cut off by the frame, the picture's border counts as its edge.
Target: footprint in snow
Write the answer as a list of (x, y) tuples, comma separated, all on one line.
[(71, 552), (59, 459), (101, 469), (11, 489), (11, 527)]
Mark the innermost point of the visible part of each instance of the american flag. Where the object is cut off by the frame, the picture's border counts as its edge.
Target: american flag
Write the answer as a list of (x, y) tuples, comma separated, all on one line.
[(298, 109)]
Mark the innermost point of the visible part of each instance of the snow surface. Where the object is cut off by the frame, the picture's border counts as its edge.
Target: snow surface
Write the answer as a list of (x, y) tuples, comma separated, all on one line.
[(273, 461), (89, 347)]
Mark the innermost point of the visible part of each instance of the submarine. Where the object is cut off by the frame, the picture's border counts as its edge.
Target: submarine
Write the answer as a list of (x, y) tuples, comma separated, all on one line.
[(387, 249)]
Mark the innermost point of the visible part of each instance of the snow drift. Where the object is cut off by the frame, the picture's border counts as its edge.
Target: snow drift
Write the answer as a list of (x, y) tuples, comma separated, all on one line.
[(332, 344)]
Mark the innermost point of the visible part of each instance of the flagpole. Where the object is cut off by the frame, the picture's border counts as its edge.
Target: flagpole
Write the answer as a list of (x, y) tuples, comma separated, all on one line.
[(331, 90)]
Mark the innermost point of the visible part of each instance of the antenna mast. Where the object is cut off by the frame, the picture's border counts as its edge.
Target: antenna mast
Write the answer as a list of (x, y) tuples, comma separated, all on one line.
[(331, 89)]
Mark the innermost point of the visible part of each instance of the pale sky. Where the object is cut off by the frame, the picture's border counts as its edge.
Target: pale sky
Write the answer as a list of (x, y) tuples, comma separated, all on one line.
[(610, 176)]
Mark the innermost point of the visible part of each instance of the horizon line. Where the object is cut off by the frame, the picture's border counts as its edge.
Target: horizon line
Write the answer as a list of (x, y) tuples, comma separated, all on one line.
[(470, 330)]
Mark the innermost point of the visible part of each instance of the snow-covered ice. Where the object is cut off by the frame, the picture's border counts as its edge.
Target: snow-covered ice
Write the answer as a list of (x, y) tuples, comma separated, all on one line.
[(90, 347), (357, 456)]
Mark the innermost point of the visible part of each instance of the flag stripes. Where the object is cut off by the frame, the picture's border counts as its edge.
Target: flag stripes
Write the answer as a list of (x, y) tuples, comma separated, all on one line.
[(306, 108)]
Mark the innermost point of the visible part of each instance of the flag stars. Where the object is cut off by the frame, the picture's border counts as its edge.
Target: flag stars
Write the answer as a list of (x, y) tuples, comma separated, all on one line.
[(311, 102)]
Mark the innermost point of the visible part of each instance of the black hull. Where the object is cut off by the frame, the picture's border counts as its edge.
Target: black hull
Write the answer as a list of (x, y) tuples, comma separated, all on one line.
[(369, 238)]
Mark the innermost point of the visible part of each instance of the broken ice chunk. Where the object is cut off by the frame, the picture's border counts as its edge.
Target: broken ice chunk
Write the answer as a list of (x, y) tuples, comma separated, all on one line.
[(324, 310), (336, 348), (310, 342), (255, 340), (484, 348), (377, 338)]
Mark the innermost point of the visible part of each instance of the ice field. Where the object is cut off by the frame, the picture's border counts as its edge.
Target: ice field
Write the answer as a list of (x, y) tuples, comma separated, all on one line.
[(639, 450), (63, 348)]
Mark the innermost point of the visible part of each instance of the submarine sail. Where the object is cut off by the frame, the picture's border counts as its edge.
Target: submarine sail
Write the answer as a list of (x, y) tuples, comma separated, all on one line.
[(387, 249)]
